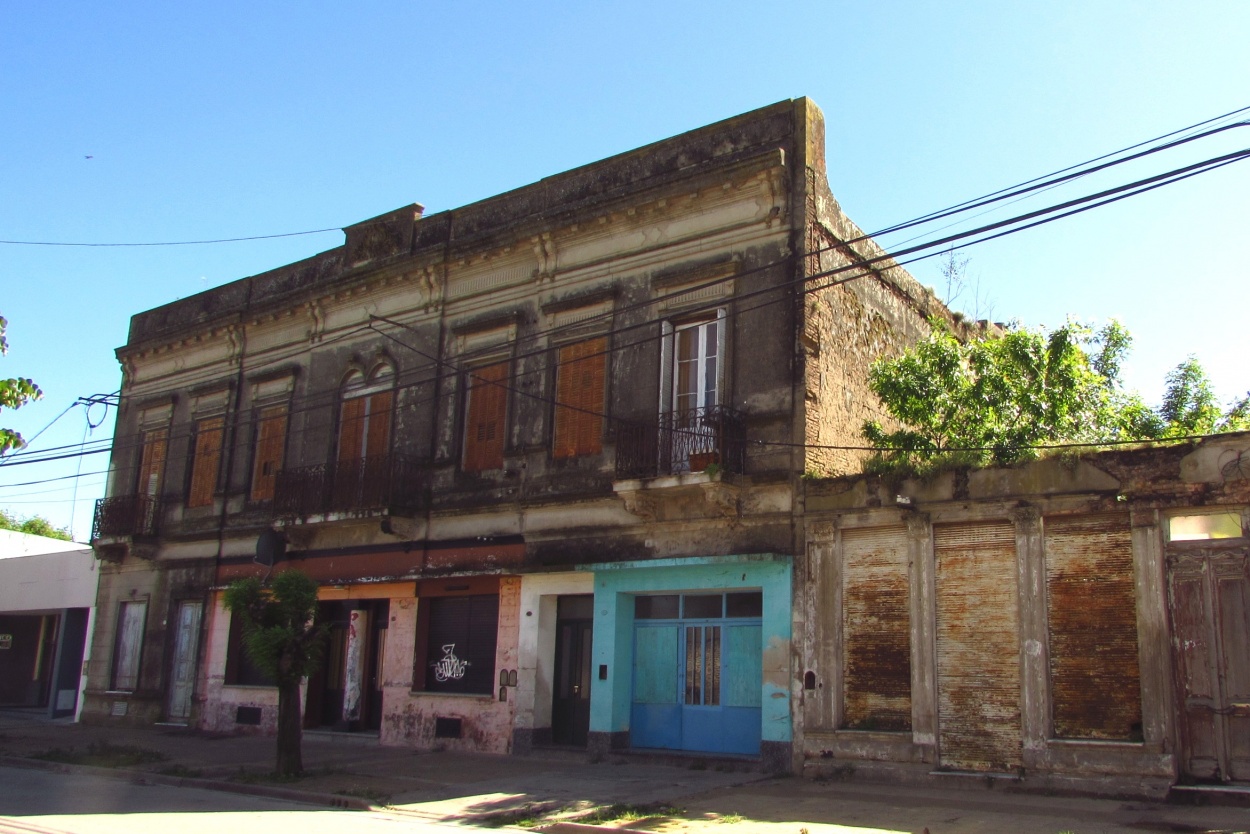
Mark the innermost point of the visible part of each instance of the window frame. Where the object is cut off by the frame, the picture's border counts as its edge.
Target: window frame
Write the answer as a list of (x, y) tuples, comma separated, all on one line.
[(375, 396), (485, 454), (204, 473), (263, 486), (577, 426), (669, 360)]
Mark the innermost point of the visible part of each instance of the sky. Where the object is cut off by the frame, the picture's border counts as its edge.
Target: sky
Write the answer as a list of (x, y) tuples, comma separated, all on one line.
[(147, 122)]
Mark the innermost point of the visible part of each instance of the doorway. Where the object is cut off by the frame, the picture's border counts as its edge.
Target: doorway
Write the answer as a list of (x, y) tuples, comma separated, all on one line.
[(355, 646), (1209, 598), (570, 694), (182, 664), (698, 672)]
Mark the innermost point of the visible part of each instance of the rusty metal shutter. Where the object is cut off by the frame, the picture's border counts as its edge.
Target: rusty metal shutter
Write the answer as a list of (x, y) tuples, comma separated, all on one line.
[(462, 637), (484, 424), (580, 386), (876, 630), (206, 462), (1092, 609), (978, 646)]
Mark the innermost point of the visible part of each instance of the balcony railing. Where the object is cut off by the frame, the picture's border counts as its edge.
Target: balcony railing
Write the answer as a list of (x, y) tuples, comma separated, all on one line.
[(126, 515), (680, 442), (389, 482)]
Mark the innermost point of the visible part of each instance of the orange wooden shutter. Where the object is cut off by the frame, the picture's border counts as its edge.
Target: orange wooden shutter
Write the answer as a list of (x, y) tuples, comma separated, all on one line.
[(377, 437), (152, 463), (580, 384), (206, 462), (484, 429), (351, 429), (270, 444)]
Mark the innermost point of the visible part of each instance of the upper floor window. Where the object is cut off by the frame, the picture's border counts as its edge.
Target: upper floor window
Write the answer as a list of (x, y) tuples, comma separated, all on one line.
[(486, 411), (269, 450), (694, 364), (152, 462), (580, 385), (205, 461), (365, 415)]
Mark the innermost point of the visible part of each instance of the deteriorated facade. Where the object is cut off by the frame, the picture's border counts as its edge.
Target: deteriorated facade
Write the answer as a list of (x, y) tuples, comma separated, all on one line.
[(541, 452), (1072, 624)]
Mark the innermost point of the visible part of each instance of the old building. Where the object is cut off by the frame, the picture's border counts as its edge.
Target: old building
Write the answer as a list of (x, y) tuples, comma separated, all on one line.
[(1076, 623), (541, 452)]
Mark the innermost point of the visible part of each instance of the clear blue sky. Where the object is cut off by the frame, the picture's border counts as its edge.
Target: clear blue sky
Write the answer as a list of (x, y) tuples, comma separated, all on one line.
[(230, 119)]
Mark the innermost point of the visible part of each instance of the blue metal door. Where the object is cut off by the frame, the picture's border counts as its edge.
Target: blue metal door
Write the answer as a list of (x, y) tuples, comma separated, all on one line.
[(697, 676)]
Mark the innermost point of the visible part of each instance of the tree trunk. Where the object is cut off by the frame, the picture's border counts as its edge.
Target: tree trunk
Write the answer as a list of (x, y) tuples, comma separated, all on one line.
[(290, 759)]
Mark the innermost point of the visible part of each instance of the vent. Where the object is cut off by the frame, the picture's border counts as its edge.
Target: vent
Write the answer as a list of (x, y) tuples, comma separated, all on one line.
[(448, 727), (248, 716)]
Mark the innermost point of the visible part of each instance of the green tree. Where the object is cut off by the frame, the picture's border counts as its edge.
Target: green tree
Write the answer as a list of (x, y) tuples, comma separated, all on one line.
[(282, 637), (14, 393), (993, 400), (35, 525)]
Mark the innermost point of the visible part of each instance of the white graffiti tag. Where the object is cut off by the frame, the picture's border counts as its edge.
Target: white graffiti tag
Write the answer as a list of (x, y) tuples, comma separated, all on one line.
[(449, 667)]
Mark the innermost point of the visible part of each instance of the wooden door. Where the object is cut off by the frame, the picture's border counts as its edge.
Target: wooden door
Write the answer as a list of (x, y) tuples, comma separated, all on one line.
[(182, 666), (1209, 596)]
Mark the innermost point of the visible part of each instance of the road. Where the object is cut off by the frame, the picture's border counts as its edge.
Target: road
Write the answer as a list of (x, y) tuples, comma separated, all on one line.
[(35, 801)]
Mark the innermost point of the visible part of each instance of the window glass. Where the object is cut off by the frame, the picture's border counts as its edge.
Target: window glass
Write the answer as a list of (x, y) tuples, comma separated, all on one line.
[(240, 670), (460, 643), (703, 606), (747, 604), (1184, 528), (665, 607)]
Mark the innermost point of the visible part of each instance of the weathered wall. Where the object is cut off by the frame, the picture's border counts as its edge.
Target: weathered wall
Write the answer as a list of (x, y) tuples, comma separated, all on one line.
[(1023, 611)]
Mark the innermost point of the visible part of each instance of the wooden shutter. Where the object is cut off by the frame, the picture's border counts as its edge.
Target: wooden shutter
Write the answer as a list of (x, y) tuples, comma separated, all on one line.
[(270, 446), (377, 433), (128, 645), (484, 425), (351, 428), (1091, 599), (152, 463), (206, 461), (579, 399), (876, 629), (978, 646)]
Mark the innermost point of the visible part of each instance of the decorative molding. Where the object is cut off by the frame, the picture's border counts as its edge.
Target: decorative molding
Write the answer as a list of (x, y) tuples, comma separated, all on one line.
[(722, 497), (317, 314), (641, 504), (545, 251)]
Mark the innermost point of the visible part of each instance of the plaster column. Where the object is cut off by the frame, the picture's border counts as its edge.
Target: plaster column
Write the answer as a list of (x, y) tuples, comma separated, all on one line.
[(1034, 641), (923, 623)]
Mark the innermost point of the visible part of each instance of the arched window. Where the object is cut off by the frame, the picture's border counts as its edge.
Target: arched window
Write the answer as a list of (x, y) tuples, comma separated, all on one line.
[(365, 415)]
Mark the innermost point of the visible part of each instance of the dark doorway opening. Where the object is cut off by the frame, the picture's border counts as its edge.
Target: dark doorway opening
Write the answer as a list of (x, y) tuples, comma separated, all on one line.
[(328, 688), (570, 696)]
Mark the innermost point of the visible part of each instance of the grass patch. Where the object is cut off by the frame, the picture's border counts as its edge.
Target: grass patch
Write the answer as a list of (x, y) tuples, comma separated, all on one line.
[(269, 777), (181, 771), (730, 819), (372, 794), (621, 812), (527, 816), (102, 754)]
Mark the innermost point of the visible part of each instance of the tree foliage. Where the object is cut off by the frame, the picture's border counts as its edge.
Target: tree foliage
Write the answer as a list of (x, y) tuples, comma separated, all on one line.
[(35, 525), (995, 399), (282, 637), (14, 393)]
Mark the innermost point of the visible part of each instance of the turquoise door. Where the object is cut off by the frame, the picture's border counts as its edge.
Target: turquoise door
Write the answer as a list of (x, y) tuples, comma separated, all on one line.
[(697, 673)]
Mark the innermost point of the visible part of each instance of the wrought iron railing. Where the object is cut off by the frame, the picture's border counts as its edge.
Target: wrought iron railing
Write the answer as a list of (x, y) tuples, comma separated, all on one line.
[(389, 482), (682, 441), (126, 515)]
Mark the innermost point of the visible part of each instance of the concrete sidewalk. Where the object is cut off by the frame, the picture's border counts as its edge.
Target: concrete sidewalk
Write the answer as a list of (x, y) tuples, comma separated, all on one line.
[(701, 796)]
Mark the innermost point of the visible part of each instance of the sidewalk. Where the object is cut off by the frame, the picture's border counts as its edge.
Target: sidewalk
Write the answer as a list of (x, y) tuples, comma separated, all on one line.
[(705, 796)]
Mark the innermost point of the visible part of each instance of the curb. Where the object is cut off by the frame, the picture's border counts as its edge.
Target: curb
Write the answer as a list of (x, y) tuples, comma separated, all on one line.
[(142, 777)]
